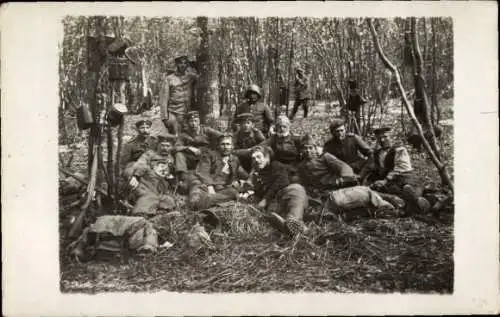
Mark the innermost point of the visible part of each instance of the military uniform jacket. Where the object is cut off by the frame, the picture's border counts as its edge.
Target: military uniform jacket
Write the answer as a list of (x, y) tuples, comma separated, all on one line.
[(322, 171), (175, 93), (136, 147), (286, 149), (269, 181), (302, 88), (207, 137), (213, 171), (245, 140), (262, 114), (348, 149)]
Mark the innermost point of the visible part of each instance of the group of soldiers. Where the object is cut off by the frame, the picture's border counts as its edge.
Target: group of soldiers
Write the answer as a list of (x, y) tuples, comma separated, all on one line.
[(260, 158)]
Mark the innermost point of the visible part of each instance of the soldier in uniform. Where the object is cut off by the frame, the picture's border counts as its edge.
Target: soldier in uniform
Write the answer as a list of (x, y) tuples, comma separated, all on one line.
[(175, 95), (393, 173), (347, 146), (139, 145), (325, 172), (285, 145), (216, 177), (191, 144), (262, 113), (302, 91), (246, 137), (271, 180)]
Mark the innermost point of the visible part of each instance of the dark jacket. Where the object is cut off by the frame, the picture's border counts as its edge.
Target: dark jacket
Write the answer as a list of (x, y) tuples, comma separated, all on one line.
[(263, 117), (210, 170), (136, 147), (322, 172), (271, 180), (348, 149)]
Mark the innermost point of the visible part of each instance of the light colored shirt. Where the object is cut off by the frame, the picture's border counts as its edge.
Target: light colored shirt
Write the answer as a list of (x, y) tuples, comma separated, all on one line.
[(402, 162)]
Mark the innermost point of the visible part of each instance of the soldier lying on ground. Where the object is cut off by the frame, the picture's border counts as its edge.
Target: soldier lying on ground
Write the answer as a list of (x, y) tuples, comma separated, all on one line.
[(347, 147), (393, 173), (216, 176), (246, 137), (271, 181), (138, 145), (191, 145), (262, 113), (150, 179)]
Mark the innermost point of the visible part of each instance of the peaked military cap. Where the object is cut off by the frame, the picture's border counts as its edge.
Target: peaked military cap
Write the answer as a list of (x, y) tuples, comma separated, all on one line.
[(180, 58), (192, 114), (165, 138), (244, 116), (143, 122), (381, 130)]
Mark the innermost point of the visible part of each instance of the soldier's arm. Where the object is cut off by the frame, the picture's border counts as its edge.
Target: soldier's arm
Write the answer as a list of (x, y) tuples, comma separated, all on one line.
[(279, 181), (363, 147), (163, 99), (259, 136), (213, 133), (402, 162), (339, 166)]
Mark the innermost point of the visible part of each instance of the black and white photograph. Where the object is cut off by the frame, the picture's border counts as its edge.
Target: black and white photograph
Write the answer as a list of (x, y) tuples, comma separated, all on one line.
[(256, 154), (272, 158)]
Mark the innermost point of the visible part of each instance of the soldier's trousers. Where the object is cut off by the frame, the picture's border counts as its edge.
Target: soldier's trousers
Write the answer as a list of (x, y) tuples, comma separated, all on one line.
[(293, 201), (305, 103), (175, 123), (199, 198), (185, 161)]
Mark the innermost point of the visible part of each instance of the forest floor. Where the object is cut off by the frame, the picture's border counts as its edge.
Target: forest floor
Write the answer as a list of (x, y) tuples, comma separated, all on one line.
[(364, 255)]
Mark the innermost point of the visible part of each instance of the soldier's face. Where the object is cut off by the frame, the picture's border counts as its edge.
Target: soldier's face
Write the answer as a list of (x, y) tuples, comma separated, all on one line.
[(194, 123), (309, 151), (226, 146), (164, 147), (182, 66), (247, 125), (253, 96), (144, 130), (385, 140), (282, 128), (260, 160), (340, 133)]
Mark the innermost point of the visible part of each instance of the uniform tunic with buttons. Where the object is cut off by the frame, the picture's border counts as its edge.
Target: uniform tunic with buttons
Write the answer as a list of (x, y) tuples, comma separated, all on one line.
[(175, 95), (322, 172), (136, 147), (262, 114), (349, 150)]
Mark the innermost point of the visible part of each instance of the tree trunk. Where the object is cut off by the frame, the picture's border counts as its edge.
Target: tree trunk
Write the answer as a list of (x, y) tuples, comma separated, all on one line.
[(445, 178)]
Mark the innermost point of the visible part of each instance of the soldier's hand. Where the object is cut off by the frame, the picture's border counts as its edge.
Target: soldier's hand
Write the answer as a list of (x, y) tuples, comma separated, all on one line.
[(211, 190), (133, 182), (262, 203)]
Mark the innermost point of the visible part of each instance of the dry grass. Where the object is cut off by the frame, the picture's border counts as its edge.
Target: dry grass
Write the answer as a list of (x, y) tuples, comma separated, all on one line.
[(364, 255)]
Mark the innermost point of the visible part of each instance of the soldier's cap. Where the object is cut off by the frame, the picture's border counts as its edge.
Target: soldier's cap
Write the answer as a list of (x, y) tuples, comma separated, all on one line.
[(166, 138), (306, 140), (143, 122), (225, 136), (192, 114), (299, 69), (253, 88), (181, 58), (336, 123), (266, 150), (381, 130), (242, 117)]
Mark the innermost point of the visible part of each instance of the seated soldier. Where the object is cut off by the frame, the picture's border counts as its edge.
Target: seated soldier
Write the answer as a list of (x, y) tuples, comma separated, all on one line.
[(216, 176), (347, 146), (191, 144), (246, 137), (138, 145), (271, 181), (325, 172), (394, 174), (151, 178)]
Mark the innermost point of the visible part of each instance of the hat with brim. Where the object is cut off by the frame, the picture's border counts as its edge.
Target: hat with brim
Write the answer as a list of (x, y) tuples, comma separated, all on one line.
[(180, 58), (381, 130), (165, 138), (143, 122), (244, 117)]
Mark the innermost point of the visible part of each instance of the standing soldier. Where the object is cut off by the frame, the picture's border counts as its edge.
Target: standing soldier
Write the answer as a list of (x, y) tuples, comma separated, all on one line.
[(138, 145), (262, 113), (246, 137), (302, 88), (175, 95), (347, 146)]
